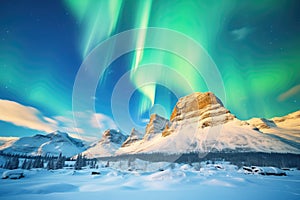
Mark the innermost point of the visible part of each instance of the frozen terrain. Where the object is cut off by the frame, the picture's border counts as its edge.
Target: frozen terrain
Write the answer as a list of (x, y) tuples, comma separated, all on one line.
[(200, 181)]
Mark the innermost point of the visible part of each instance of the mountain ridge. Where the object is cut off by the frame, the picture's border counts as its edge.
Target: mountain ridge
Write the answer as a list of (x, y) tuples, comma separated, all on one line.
[(50, 144), (199, 123)]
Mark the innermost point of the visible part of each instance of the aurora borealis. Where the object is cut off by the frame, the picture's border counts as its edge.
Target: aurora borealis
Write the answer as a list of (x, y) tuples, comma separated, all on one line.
[(254, 45)]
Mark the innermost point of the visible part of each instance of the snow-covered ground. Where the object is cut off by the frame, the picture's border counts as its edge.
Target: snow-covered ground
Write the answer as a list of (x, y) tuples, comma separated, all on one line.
[(200, 181)]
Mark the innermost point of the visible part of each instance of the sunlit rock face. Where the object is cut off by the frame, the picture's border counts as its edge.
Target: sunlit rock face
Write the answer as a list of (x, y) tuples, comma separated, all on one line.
[(205, 109), (155, 126), (133, 137), (261, 123)]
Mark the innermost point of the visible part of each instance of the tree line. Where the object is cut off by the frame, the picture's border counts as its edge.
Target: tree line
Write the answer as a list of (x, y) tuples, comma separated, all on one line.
[(13, 161), (281, 160)]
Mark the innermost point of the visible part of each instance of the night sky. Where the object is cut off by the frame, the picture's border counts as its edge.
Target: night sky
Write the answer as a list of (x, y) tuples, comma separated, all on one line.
[(250, 48)]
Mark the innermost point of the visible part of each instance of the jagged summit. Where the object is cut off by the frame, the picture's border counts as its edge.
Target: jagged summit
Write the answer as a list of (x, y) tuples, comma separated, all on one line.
[(111, 141), (113, 136), (206, 107), (194, 102), (200, 109), (155, 126), (133, 137)]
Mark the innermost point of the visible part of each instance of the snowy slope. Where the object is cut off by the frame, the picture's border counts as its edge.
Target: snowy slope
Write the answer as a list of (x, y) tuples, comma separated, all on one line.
[(7, 141), (286, 128), (229, 136), (53, 143)]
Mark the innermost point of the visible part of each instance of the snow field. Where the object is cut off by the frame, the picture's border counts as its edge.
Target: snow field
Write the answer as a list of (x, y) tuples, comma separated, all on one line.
[(177, 181)]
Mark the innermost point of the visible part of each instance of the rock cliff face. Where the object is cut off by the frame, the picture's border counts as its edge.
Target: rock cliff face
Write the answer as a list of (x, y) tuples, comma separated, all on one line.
[(262, 123), (205, 109), (133, 137), (155, 126)]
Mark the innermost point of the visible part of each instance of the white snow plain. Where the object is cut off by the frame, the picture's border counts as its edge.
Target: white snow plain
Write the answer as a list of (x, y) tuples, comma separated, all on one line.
[(177, 181)]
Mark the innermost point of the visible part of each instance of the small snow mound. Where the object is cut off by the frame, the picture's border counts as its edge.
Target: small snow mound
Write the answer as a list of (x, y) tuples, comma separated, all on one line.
[(52, 188), (186, 167), (167, 175), (216, 182), (13, 174)]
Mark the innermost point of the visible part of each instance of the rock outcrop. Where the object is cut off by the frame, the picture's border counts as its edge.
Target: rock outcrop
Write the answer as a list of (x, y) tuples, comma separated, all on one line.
[(262, 123), (133, 137), (205, 106), (113, 136), (205, 109), (155, 126)]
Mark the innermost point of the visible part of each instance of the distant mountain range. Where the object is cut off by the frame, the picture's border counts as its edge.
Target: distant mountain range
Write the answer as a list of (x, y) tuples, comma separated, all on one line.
[(50, 144), (199, 123)]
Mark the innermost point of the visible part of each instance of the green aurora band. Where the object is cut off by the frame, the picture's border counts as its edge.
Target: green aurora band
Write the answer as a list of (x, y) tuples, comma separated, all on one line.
[(255, 76)]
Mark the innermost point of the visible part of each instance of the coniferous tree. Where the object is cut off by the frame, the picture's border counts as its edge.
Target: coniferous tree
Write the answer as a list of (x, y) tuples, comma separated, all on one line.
[(12, 163), (77, 165), (29, 165), (38, 162), (15, 162), (6, 164), (50, 165), (80, 162), (60, 162), (24, 164)]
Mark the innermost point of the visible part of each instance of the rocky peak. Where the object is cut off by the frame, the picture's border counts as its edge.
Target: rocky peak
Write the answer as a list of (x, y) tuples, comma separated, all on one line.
[(206, 107), (155, 126), (113, 136), (194, 102), (133, 137), (58, 134)]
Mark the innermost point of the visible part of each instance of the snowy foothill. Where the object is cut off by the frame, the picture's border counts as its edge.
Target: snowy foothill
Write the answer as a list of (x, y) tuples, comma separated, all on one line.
[(145, 180)]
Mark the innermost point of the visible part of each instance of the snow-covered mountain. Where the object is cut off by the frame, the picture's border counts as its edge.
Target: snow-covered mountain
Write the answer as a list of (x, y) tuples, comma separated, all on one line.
[(199, 122), (111, 141), (286, 128), (52, 143), (134, 136)]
